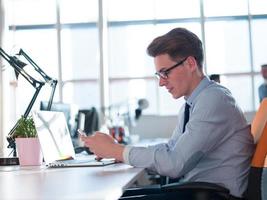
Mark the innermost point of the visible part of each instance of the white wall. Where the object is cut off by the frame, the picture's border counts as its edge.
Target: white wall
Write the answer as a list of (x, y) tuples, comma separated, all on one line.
[(152, 126)]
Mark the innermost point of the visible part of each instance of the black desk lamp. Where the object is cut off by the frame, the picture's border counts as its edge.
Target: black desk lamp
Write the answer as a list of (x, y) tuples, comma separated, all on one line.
[(18, 67)]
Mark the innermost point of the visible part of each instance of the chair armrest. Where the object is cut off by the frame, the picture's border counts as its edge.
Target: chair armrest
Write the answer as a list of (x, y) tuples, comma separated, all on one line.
[(146, 190), (195, 187), (189, 191)]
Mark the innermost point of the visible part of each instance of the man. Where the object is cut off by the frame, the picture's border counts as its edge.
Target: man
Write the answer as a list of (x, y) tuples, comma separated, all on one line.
[(215, 145), (215, 77), (263, 86)]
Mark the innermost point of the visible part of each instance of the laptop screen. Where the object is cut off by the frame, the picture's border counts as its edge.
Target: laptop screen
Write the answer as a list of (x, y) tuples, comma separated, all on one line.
[(53, 135)]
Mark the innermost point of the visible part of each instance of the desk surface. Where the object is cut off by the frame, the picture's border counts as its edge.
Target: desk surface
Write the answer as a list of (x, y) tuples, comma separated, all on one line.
[(66, 183)]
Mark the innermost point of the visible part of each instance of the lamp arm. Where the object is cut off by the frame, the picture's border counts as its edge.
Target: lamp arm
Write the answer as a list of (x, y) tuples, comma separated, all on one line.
[(4, 55), (34, 97), (52, 82), (53, 85), (14, 62), (35, 66), (28, 109)]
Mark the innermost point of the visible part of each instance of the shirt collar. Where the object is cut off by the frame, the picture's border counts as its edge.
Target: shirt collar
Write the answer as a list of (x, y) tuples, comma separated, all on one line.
[(201, 86)]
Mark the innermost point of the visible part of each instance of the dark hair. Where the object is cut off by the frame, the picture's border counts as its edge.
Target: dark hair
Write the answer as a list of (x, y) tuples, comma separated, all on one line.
[(177, 43), (264, 65)]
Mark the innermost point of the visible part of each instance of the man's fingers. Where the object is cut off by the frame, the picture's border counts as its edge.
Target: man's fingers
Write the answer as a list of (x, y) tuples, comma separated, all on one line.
[(98, 158)]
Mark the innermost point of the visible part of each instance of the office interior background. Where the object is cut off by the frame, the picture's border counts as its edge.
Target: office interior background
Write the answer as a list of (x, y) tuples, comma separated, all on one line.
[(97, 51)]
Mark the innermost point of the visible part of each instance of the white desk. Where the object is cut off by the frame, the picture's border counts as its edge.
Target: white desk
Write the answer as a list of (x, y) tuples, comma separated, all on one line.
[(66, 183)]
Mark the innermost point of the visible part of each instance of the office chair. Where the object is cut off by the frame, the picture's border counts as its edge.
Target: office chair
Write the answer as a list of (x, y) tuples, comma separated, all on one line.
[(257, 182)]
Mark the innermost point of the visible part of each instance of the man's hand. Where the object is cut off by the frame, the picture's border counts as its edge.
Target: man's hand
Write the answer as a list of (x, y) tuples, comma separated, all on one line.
[(103, 146)]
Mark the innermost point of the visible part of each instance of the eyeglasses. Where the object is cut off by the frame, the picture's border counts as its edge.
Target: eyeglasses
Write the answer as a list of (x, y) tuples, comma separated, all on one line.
[(164, 73)]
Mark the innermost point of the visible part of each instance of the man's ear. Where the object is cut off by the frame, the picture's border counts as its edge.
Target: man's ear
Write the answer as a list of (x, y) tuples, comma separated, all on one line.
[(192, 63)]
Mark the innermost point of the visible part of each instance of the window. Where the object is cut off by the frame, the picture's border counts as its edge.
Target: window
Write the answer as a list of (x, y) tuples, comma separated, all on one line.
[(258, 7), (225, 8), (64, 41), (227, 50), (25, 12), (241, 88), (259, 42)]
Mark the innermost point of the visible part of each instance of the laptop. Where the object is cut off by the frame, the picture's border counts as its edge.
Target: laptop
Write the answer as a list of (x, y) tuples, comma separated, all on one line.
[(56, 143)]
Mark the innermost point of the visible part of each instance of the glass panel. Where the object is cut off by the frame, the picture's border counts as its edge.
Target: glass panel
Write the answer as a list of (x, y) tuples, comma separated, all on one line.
[(40, 46), (259, 43), (167, 104), (225, 7), (29, 12), (80, 53), (78, 11), (258, 7), (227, 47), (83, 94), (166, 27), (177, 9), (127, 51), (123, 91), (121, 10), (127, 57), (241, 89)]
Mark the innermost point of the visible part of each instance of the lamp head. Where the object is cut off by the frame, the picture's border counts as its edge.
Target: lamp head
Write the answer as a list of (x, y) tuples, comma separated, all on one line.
[(19, 63), (142, 104)]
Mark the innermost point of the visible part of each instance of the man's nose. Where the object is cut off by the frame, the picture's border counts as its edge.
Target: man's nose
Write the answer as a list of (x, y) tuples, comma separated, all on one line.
[(162, 82)]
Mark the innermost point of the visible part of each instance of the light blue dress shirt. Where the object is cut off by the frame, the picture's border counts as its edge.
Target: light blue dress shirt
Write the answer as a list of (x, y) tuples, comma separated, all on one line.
[(262, 91), (216, 147)]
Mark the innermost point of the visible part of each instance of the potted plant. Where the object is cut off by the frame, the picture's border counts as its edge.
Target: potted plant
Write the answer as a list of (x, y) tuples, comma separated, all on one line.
[(28, 146)]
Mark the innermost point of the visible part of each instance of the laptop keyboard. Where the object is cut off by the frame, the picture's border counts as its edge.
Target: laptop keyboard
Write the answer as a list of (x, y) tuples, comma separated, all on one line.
[(81, 163)]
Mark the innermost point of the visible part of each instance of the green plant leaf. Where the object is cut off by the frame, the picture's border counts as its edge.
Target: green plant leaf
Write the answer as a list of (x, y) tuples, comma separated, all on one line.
[(25, 128)]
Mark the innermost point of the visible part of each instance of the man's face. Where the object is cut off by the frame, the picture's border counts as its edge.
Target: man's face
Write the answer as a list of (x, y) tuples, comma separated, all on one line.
[(179, 80), (264, 72)]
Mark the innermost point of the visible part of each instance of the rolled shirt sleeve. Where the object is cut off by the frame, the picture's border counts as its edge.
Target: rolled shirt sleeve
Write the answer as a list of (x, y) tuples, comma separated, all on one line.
[(126, 154)]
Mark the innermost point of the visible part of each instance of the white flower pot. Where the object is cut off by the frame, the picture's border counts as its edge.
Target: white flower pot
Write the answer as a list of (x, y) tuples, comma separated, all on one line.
[(29, 151)]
